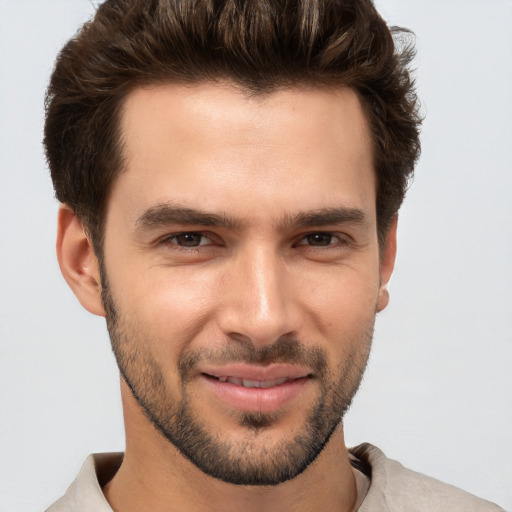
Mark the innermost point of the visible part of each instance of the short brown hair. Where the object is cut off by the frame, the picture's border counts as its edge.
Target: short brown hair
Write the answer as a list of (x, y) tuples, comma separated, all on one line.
[(260, 45)]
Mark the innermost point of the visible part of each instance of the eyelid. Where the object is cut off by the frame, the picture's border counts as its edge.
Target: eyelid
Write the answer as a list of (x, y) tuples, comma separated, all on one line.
[(339, 239), (168, 239)]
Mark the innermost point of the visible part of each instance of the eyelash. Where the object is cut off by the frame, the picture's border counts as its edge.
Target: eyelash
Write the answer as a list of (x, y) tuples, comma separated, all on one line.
[(168, 240), (341, 241)]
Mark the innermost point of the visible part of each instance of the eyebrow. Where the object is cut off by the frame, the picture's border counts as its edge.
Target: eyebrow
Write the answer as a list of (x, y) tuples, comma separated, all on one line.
[(327, 216), (165, 214)]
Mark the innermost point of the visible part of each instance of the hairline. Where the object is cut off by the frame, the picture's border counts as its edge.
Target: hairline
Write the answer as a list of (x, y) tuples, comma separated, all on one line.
[(97, 233)]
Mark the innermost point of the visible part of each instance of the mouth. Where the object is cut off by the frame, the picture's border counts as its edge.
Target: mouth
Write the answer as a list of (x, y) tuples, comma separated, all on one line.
[(246, 383), (256, 389)]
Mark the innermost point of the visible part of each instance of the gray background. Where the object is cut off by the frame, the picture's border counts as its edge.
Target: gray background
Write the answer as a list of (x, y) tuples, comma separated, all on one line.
[(437, 395)]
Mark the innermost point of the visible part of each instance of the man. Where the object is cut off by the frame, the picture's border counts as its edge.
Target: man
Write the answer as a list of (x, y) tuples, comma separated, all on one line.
[(230, 175)]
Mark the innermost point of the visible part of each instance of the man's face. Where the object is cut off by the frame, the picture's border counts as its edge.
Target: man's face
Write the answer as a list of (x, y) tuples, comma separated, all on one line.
[(241, 273)]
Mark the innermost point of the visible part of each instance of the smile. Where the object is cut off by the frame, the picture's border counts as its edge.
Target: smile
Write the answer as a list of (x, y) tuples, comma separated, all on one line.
[(256, 388), (246, 383)]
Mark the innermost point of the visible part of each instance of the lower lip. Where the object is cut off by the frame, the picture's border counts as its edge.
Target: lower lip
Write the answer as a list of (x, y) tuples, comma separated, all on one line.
[(256, 399)]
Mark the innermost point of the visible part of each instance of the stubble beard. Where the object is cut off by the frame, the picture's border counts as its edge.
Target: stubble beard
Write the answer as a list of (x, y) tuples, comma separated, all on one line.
[(251, 461)]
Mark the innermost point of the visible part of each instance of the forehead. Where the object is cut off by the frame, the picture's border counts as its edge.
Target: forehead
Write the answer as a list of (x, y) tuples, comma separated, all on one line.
[(214, 145), (209, 110)]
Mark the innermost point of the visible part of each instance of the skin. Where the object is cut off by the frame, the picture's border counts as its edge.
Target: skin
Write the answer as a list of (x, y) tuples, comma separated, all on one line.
[(266, 163)]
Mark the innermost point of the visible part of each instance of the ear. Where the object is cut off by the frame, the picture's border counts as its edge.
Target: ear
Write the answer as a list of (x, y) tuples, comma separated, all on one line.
[(387, 263), (77, 261)]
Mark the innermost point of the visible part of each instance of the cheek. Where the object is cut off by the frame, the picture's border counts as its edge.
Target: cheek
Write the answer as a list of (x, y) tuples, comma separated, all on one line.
[(168, 308), (341, 305)]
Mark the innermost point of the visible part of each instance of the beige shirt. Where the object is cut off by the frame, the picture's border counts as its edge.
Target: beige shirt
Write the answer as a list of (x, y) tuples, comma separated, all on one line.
[(392, 488)]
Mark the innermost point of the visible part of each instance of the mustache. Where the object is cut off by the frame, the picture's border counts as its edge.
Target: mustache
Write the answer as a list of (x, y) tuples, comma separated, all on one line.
[(284, 350)]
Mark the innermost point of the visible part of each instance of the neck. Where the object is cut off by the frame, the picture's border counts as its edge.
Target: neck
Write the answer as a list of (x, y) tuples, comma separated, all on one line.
[(155, 476)]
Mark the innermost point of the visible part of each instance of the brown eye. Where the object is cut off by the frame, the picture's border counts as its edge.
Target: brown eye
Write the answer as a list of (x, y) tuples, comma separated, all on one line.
[(319, 239), (189, 239)]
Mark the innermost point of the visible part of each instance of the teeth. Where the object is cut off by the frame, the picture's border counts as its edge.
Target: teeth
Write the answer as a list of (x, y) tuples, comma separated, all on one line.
[(252, 384), (271, 383), (235, 381), (246, 383)]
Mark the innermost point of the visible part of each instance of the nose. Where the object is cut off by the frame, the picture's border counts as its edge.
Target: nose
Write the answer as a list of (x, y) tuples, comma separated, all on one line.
[(258, 301)]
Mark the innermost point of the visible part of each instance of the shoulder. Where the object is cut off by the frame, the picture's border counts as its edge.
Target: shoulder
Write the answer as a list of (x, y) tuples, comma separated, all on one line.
[(85, 494), (395, 488)]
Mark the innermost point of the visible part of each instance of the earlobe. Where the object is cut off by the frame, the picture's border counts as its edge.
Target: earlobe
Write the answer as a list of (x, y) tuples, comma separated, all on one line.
[(387, 263), (77, 261), (383, 298)]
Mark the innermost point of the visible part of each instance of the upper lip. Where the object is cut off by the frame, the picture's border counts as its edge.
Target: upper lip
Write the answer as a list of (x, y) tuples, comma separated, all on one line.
[(253, 372)]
